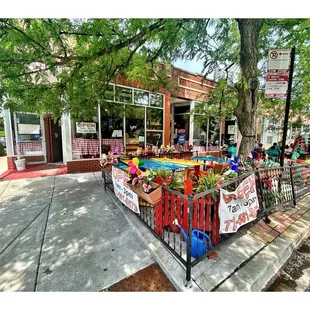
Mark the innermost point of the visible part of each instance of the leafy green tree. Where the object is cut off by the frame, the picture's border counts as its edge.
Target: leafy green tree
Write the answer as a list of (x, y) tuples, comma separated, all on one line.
[(59, 65)]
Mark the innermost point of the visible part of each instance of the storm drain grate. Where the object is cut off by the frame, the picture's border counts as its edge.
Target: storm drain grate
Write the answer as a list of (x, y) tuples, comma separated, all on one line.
[(149, 279)]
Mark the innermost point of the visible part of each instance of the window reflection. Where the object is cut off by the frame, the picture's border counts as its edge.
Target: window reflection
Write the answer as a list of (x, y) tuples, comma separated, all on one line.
[(157, 100), (123, 94), (141, 97), (154, 119), (135, 118)]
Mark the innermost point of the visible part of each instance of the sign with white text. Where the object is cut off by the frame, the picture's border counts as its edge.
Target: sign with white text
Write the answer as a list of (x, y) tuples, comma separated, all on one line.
[(277, 73), (123, 192), (28, 129), (239, 207), (86, 127)]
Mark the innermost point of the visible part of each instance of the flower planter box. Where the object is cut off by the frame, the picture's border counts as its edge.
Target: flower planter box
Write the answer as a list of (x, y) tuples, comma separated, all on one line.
[(152, 197)]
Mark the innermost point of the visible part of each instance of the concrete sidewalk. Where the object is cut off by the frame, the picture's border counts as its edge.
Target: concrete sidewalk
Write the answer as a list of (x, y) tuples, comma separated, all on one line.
[(64, 233)]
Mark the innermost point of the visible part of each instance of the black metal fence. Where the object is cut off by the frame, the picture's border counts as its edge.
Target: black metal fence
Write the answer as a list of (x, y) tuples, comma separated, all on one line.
[(188, 225)]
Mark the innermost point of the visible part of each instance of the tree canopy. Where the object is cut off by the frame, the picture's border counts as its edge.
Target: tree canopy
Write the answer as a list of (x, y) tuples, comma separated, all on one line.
[(59, 65)]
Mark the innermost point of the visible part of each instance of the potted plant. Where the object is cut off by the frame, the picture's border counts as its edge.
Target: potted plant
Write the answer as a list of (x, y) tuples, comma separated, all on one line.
[(20, 162), (106, 163), (145, 188)]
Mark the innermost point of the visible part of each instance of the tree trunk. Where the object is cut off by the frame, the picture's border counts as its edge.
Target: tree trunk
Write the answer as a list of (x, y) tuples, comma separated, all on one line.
[(248, 85)]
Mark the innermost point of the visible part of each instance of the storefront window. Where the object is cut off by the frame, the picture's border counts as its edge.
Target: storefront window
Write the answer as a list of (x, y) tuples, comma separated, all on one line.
[(157, 100), (141, 97), (85, 136), (135, 119), (154, 119), (154, 138), (28, 135), (123, 95), (199, 133), (214, 131), (112, 128)]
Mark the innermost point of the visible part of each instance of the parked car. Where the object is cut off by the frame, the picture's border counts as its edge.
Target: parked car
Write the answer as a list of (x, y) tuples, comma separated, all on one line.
[(3, 141)]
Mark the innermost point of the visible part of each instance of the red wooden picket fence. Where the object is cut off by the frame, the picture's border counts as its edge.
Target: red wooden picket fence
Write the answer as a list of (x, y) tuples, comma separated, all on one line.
[(205, 214)]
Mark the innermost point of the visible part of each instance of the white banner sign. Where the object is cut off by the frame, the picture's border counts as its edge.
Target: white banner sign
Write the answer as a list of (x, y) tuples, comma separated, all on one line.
[(86, 127), (239, 207), (28, 129), (122, 192), (277, 73)]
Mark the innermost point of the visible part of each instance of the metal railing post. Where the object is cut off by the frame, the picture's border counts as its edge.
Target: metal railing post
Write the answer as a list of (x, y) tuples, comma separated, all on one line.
[(189, 241), (104, 179), (267, 219), (293, 187)]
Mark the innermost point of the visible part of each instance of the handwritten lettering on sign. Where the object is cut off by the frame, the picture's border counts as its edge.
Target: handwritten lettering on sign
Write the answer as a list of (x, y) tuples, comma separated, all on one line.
[(239, 207), (122, 191)]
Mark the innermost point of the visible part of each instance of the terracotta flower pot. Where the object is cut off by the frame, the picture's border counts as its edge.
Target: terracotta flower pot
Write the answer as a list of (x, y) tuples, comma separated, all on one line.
[(152, 197)]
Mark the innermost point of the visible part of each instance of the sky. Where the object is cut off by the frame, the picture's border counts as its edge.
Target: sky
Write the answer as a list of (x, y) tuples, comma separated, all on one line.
[(194, 66)]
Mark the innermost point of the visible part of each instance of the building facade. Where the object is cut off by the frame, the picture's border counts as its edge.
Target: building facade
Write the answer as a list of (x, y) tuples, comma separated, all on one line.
[(153, 119)]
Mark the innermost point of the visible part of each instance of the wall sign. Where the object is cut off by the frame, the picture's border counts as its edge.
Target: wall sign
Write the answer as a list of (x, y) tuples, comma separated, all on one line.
[(84, 127), (239, 207), (181, 136), (122, 192), (28, 129)]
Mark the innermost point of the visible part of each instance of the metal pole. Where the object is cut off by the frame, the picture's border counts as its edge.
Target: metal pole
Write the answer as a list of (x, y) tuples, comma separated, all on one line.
[(293, 188), (220, 138), (267, 219), (288, 102), (189, 241), (207, 142)]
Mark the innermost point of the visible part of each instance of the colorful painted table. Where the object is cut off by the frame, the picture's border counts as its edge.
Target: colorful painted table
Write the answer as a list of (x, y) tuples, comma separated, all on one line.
[(168, 164)]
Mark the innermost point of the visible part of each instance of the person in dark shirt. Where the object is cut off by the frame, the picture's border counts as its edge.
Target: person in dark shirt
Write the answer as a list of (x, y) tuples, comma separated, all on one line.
[(274, 152)]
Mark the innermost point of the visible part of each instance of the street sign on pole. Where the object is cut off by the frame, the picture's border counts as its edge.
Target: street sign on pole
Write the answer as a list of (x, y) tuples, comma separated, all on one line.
[(277, 73), (288, 103)]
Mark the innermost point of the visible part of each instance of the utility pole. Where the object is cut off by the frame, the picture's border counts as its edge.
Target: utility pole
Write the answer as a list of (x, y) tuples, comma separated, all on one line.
[(288, 103)]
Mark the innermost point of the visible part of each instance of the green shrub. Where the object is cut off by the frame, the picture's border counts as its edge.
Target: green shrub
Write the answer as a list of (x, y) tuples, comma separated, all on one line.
[(2, 150)]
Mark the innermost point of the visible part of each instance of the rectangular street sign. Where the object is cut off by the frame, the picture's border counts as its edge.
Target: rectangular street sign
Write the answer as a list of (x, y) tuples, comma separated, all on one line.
[(276, 89), (277, 73), (278, 61), (276, 77)]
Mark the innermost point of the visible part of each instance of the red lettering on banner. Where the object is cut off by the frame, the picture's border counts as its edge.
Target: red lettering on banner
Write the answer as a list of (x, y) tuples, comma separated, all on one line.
[(252, 185), (242, 219), (244, 190), (228, 198), (240, 192), (227, 223)]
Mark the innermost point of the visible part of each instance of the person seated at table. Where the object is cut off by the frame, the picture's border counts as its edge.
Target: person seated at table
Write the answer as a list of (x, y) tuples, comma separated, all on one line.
[(274, 152), (260, 150), (288, 150)]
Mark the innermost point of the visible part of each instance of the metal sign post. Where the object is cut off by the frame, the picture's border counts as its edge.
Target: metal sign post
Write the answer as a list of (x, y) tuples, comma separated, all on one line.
[(288, 103)]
